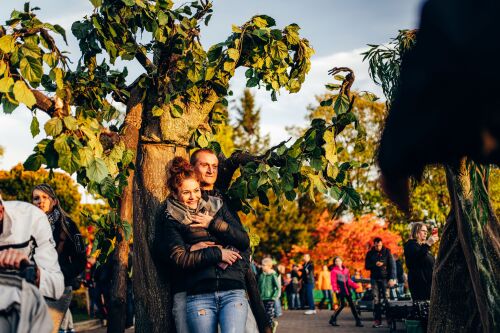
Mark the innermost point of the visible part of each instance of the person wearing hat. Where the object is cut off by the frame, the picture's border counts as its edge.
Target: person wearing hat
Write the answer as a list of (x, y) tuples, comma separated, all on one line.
[(25, 235)]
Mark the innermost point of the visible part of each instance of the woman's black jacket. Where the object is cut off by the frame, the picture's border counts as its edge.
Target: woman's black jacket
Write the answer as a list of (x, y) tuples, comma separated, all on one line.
[(201, 272), (420, 263), (71, 250)]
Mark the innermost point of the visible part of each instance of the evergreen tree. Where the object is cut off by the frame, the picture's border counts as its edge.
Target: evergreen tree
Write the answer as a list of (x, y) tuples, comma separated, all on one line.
[(247, 134)]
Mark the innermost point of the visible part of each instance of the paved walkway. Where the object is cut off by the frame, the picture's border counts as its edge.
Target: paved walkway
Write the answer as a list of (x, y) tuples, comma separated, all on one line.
[(297, 322)]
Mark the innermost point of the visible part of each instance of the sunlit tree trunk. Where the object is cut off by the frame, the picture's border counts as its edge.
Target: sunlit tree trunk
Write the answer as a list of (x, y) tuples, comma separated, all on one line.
[(466, 292), (130, 135)]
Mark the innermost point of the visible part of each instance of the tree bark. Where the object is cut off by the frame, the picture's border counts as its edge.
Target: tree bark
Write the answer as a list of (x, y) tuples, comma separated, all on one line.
[(118, 299), (465, 293), (151, 280)]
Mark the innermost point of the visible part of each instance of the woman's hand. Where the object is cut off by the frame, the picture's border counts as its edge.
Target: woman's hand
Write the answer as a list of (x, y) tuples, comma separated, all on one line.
[(201, 220), (432, 240), (202, 245), (230, 256)]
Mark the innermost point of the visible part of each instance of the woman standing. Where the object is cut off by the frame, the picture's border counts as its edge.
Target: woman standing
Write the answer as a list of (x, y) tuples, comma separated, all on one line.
[(68, 241), (325, 285), (420, 261), (341, 284), (213, 278)]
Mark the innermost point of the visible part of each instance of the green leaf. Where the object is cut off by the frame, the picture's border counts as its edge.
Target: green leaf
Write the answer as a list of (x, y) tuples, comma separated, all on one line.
[(129, 3), (249, 73), (157, 111), (8, 106), (86, 156), (53, 127), (229, 66), (7, 43), (233, 54), (252, 82), (6, 84), (71, 123), (96, 3), (202, 141), (50, 59), (3, 67), (35, 127), (23, 94), (97, 170), (61, 145), (31, 69), (176, 111), (33, 162)]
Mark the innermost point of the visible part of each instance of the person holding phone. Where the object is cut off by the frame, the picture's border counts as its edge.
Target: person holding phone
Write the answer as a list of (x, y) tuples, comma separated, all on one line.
[(212, 276), (420, 261)]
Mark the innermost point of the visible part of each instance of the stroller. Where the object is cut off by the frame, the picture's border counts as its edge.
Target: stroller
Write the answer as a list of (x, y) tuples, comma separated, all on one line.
[(22, 308)]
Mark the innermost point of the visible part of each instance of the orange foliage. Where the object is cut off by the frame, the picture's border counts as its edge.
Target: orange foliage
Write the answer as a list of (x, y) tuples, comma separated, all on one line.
[(350, 240)]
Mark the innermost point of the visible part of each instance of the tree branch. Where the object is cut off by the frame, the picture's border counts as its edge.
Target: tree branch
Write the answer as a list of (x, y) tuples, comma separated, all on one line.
[(43, 102)]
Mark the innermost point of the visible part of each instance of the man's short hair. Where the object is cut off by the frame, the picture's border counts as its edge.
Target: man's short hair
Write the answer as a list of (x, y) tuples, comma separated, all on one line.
[(194, 156), (377, 240), (267, 262)]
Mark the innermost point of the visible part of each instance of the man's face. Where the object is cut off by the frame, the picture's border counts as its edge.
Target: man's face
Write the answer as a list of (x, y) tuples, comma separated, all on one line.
[(307, 257), (378, 246), (206, 166)]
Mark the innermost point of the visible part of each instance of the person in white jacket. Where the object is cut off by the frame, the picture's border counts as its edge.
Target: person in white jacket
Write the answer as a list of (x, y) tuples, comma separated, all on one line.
[(25, 234)]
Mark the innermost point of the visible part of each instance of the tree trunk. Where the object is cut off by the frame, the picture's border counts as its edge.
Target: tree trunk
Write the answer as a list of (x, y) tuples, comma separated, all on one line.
[(118, 307), (465, 293), (151, 280)]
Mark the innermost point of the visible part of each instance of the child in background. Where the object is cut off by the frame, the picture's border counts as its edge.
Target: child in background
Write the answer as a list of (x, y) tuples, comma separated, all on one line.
[(269, 289), (356, 278)]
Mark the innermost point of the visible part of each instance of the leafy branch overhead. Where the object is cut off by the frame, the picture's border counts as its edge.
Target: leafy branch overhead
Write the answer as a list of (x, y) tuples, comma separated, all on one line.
[(311, 163)]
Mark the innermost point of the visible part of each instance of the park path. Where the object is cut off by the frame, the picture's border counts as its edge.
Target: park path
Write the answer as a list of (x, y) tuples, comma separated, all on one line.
[(297, 322)]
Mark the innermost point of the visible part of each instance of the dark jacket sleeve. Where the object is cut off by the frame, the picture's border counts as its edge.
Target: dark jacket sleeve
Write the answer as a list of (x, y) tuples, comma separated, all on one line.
[(370, 262), (172, 247), (226, 228), (415, 252), (73, 253), (391, 263)]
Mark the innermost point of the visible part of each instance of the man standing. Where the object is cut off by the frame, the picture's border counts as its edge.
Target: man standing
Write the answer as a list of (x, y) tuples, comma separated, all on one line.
[(380, 263), (25, 235), (206, 165), (308, 283)]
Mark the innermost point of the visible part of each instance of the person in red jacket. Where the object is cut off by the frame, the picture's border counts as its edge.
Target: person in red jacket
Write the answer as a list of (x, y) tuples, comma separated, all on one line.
[(341, 285)]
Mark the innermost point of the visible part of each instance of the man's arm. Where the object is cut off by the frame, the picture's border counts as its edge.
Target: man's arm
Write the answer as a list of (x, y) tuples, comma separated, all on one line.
[(51, 280), (369, 262), (226, 228)]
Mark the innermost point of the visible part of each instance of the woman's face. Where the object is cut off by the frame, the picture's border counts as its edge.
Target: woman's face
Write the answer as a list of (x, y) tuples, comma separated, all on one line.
[(43, 201), (338, 262), (422, 234), (189, 193)]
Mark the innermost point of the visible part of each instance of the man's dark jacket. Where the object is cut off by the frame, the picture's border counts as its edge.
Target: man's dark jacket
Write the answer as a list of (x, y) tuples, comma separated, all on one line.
[(387, 270)]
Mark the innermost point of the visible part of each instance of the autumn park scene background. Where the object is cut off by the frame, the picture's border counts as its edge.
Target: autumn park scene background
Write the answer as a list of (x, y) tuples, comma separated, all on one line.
[(106, 101)]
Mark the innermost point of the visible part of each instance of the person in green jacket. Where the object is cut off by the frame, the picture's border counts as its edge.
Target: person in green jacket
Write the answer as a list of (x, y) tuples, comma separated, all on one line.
[(269, 289)]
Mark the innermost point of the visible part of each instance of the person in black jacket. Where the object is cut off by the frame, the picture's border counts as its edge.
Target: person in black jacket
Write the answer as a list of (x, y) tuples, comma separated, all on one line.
[(68, 241), (380, 263), (214, 276), (420, 261), (206, 164)]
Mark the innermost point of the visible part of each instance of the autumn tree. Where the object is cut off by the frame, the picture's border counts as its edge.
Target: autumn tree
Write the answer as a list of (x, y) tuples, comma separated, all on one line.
[(247, 135), (169, 108), (465, 292)]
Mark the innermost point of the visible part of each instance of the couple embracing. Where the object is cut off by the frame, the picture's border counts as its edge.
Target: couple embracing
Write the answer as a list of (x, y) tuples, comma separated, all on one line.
[(207, 250)]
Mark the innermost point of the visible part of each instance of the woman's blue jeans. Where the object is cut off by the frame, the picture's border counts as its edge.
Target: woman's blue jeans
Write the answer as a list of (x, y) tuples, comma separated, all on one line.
[(227, 308)]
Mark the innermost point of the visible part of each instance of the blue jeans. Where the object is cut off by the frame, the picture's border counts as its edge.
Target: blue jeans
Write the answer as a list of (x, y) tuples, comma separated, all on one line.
[(309, 295), (295, 302), (227, 308), (277, 308)]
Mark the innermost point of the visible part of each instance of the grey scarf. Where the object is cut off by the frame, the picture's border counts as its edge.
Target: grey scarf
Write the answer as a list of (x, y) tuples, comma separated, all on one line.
[(182, 213)]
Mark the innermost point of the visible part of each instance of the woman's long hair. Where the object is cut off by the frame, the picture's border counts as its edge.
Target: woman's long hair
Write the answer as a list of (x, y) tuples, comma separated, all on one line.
[(415, 229), (47, 189)]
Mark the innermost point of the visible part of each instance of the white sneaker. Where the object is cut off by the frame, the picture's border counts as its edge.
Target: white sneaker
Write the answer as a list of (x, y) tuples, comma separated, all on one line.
[(310, 312)]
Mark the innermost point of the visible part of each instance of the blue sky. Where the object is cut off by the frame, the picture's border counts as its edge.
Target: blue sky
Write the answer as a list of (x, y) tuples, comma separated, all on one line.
[(338, 31)]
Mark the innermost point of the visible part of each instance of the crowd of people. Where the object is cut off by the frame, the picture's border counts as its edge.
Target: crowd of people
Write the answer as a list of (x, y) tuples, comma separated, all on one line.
[(339, 288), (214, 282)]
